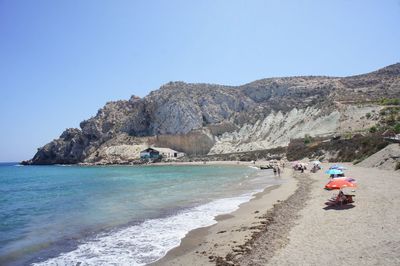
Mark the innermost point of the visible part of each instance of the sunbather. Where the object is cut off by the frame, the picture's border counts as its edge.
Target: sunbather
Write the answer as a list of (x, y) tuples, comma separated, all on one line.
[(339, 199)]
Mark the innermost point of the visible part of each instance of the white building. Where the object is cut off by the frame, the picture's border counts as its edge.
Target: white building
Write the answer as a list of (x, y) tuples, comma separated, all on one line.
[(168, 153)]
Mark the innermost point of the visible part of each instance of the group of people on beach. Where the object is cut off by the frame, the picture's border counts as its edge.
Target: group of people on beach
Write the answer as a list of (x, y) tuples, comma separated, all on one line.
[(277, 170), (300, 167), (278, 166), (339, 181)]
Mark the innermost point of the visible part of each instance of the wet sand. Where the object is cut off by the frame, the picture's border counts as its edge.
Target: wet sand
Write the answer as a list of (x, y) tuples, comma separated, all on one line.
[(206, 246)]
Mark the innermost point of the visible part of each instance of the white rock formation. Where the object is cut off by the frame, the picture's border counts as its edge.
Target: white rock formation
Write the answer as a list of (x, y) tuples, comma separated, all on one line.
[(116, 154), (277, 128)]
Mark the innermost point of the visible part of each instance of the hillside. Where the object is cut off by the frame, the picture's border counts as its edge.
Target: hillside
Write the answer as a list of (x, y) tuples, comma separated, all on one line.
[(386, 159), (202, 119)]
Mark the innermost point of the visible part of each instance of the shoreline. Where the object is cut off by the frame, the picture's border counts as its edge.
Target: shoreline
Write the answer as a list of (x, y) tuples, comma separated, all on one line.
[(302, 230), (231, 164), (290, 224), (210, 245)]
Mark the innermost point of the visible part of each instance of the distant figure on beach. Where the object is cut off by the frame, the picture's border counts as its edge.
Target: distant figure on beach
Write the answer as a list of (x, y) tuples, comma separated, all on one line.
[(279, 171), (341, 197), (274, 170), (302, 169)]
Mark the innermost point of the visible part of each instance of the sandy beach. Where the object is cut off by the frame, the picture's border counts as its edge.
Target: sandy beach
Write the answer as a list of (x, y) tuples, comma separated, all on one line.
[(366, 234), (291, 225), (207, 246)]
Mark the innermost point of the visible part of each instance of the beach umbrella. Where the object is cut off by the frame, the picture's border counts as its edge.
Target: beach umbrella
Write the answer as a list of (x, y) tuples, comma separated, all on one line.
[(334, 172), (339, 184), (339, 167), (349, 179)]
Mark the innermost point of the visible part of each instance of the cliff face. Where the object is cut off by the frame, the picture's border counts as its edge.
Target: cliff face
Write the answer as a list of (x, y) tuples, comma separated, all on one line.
[(204, 118)]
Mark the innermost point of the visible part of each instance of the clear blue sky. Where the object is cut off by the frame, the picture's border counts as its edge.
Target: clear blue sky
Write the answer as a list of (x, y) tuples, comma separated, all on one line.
[(60, 61)]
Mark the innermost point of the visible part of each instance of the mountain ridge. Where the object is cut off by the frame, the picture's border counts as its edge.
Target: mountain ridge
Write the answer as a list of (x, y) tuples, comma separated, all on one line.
[(261, 114)]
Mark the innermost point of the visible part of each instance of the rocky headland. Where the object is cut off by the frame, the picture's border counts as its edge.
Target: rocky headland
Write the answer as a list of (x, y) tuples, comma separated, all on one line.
[(211, 120)]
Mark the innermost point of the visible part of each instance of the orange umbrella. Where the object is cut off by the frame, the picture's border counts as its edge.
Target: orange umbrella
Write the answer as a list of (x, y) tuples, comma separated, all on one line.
[(339, 184)]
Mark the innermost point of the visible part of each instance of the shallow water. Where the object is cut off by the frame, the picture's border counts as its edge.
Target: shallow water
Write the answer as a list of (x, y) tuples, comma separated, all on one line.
[(114, 214)]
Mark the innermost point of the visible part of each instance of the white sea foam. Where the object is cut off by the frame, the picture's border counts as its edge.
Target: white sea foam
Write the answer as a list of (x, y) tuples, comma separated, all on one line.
[(254, 167), (148, 241)]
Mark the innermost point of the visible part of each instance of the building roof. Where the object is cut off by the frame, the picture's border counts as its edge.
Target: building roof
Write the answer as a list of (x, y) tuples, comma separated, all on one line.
[(150, 149), (161, 150), (165, 150)]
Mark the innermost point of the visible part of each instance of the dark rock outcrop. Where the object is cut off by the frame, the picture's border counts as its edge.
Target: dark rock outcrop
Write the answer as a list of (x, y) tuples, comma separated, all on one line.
[(68, 149)]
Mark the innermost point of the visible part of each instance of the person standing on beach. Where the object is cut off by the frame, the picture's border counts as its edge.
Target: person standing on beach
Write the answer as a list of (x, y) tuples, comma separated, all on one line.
[(279, 171)]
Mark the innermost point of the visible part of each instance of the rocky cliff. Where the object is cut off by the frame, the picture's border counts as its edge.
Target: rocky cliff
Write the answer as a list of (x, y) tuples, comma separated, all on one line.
[(204, 119)]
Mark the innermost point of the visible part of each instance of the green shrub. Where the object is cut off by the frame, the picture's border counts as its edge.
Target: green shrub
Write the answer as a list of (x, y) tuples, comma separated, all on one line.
[(373, 129), (382, 112), (368, 115), (307, 139), (348, 135), (396, 128), (390, 101), (390, 120)]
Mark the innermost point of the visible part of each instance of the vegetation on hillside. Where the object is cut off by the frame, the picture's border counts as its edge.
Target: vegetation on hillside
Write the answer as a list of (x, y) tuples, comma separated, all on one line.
[(389, 119), (275, 153), (389, 101), (343, 149)]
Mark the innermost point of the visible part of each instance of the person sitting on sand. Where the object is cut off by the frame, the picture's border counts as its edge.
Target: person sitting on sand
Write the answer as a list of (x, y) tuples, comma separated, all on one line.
[(341, 197)]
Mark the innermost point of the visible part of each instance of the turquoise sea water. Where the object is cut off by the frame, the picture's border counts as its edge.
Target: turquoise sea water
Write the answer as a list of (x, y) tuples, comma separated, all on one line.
[(127, 215)]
